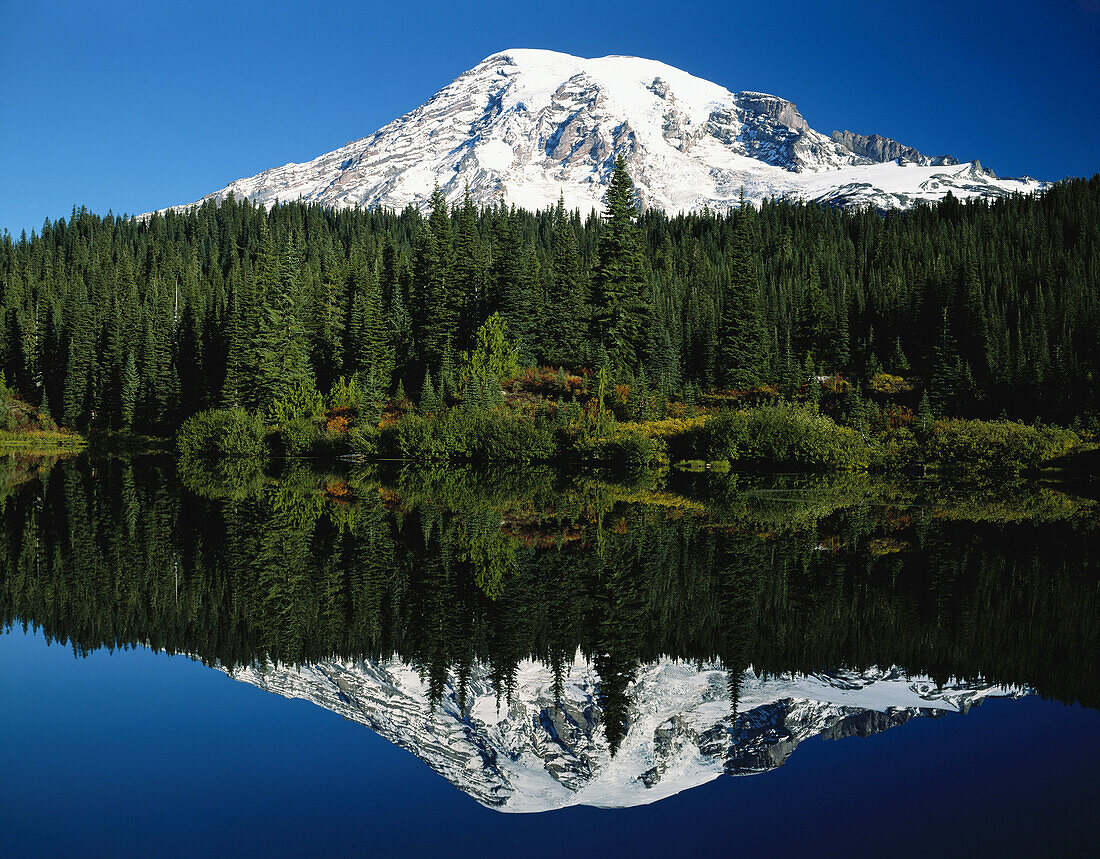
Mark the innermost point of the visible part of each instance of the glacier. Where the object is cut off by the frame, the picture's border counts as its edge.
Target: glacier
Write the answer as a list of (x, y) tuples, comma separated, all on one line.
[(535, 750), (528, 126)]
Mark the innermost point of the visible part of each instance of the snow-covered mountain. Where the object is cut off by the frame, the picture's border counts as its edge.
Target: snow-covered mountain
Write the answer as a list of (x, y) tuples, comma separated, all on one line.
[(533, 124), (537, 753)]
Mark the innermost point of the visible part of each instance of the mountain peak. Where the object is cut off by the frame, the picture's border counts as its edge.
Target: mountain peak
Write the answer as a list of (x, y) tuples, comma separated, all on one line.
[(531, 124)]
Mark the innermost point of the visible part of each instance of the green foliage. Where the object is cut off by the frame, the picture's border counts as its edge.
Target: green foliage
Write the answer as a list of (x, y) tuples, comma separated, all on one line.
[(984, 306), (345, 394), (997, 445), (282, 359), (628, 453), (129, 392), (222, 433), (897, 449), (494, 358), (364, 440), (741, 354), (462, 435), (299, 402), (621, 309), (296, 417), (783, 434)]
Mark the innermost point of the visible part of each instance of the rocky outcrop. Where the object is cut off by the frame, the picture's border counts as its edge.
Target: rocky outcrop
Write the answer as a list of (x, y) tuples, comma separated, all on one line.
[(877, 148)]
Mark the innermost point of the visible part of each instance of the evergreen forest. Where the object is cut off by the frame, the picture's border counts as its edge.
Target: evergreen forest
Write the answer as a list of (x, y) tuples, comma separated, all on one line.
[(981, 309)]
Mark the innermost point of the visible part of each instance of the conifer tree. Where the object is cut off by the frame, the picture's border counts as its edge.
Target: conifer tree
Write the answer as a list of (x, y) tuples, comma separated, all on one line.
[(741, 335), (129, 392), (280, 343), (468, 273), (564, 329), (509, 297), (620, 312)]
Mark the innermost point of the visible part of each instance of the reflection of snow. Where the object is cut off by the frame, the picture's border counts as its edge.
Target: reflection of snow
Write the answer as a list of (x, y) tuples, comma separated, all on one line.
[(534, 755)]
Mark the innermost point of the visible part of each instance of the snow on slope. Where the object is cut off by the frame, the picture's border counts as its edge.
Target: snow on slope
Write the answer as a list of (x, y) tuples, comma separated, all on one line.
[(536, 754), (533, 124)]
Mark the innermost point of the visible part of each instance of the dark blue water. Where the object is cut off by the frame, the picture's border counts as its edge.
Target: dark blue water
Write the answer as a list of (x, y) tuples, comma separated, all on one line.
[(140, 753)]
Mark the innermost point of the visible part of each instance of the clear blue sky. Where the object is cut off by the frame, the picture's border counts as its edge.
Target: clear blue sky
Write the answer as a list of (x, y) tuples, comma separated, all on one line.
[(134, 106)]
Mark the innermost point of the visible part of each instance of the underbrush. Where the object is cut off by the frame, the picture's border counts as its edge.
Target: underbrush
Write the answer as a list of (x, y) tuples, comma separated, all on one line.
[(778, 435), (997, 445), (223, 433), (784, 434)]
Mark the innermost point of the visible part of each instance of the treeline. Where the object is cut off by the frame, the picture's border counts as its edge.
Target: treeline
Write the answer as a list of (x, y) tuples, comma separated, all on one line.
[(989, 308), (445, 570)]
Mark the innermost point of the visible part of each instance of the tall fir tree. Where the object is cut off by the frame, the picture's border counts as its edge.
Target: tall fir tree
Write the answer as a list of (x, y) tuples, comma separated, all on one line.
[(621, 311), (280, 343), (741, 354)]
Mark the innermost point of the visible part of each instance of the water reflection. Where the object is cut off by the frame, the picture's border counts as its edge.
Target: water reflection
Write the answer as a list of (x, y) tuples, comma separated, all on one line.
[(543, 640)]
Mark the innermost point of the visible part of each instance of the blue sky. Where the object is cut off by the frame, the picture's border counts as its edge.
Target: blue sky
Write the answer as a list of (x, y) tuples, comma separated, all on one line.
[(133, 106)]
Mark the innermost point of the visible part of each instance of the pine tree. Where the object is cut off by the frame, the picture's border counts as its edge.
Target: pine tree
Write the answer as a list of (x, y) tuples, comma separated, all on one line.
[(509, 295), (78, 370), (564, 329), (429, 400), (741, 335), (371, 350), (280, 343), (468, 273), (129, 392), (237, 344), (621, 312)]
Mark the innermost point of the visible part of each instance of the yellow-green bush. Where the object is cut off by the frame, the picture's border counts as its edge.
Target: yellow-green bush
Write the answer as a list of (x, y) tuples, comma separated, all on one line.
[(996, 445), (626, 449), (222, 433), (461, 434), (781, 434), (897, 448)]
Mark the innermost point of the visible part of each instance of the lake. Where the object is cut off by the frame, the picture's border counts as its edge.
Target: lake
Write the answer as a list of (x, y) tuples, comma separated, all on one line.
[(211, 658)]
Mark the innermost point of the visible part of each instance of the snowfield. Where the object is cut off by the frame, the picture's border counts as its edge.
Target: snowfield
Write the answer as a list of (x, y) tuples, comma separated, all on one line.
[(530, 125)]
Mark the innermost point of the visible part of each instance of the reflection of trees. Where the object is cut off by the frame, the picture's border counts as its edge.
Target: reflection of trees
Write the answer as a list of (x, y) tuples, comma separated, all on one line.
[(449, 572)]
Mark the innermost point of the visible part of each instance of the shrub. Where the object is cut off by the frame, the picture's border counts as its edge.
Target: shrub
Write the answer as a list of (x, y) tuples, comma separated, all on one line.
[(364, 440), (294, 437), (781, 434), (500, 438), (460, 434), (222, 433), (996, 445), (297, 418), (630, 452), (897, 448), (888, 385), (302, 403)]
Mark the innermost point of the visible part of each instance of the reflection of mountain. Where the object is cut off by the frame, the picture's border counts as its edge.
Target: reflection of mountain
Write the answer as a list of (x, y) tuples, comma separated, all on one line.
[(533, 754)]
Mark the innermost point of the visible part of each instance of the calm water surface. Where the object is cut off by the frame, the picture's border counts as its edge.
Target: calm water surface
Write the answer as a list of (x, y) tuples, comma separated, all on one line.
[(205, 660)]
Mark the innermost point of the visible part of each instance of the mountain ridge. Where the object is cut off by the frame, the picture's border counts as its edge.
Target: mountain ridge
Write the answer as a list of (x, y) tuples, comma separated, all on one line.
[(528, 125)]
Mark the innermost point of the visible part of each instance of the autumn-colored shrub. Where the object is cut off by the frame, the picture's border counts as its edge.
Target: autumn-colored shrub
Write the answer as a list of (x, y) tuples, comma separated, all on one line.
[(888, 385)]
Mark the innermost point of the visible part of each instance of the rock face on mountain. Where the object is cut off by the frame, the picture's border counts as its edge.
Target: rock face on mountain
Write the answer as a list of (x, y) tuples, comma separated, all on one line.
[(538, 751), (529, 125), (880, 149)]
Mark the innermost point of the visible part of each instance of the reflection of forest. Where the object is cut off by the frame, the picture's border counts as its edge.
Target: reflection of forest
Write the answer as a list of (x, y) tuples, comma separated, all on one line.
[(448, 568)]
